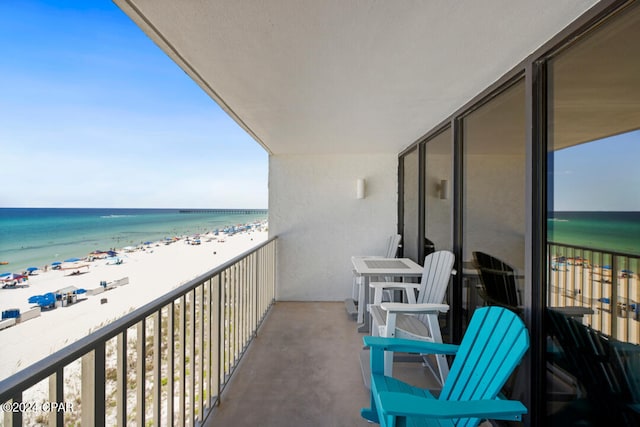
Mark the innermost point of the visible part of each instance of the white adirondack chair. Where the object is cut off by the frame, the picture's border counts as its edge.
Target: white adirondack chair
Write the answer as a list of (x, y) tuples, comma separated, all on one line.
[(418, 318), (358, 281)]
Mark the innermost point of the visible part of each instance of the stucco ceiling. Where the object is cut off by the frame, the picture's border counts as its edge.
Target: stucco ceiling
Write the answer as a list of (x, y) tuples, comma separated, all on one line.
[(336, 76)]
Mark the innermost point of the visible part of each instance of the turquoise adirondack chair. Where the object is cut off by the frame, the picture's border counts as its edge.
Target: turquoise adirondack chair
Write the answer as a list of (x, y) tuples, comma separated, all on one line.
[(492, 347)]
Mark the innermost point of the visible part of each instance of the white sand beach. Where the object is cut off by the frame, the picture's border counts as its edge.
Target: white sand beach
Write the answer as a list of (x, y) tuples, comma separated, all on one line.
[(152, 272)]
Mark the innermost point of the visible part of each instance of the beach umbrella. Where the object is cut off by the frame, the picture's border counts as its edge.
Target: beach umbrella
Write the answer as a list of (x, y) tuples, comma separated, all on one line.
[(35, 299), (72, 260), (4, 274), (604, 300), (627, 271), (81, 291), (56, 263), (32, 268), (45, 300)]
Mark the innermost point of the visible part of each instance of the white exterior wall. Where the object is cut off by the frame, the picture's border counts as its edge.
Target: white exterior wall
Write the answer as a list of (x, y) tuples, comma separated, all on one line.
[(320, 223)]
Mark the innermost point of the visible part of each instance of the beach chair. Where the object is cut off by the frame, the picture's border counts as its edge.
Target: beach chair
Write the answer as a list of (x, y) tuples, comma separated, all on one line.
[(418, 317), (606, 370), (498, 279), (492, 347), (358, 281)]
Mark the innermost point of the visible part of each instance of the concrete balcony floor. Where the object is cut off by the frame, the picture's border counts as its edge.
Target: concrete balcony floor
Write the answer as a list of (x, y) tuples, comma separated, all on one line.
[(303, 369)]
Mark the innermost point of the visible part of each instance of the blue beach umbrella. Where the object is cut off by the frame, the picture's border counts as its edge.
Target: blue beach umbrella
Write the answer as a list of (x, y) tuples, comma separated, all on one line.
[(72, 260), (80, 291), (627, 271), (32, 268), (5, 274), (604, 300), (46, 300)]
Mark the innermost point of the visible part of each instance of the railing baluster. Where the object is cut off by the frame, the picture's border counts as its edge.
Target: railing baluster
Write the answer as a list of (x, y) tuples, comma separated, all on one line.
[(236, 314), (183, 365), (99, 379), (192, 358), (56, 394), (216, 321), (140, 371), (171, 335), (224, 327), (92, 389), (157, 367), (201, 352), (16, 416), (121, 379)]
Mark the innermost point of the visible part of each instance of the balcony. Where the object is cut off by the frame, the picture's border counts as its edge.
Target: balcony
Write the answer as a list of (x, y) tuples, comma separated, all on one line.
[(301, 369), (165, 363)]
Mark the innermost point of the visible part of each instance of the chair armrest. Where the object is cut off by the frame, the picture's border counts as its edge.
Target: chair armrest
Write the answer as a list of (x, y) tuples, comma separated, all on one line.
[(408, 288), (402, 404), (394, 285), (408, 346), (398, 307)]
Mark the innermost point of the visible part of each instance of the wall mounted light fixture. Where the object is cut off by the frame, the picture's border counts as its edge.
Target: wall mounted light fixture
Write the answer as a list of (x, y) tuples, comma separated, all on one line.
[(360, 188), (443, 188)]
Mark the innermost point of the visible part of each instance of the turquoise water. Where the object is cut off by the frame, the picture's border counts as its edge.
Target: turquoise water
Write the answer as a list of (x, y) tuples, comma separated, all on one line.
[(37, 237), (610, 231)]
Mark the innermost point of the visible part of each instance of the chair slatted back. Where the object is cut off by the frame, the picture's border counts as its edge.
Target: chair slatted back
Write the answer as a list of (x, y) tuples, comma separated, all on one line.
[(492, 347), (498, 279), (392, 247), (435, 278), (598, 363)]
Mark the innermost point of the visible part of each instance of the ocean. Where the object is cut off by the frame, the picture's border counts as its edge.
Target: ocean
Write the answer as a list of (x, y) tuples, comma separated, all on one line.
[(39, 236), (609, 231)]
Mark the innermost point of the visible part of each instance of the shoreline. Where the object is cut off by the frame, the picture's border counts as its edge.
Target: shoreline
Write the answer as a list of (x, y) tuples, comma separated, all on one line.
[(41, 236), (27, 342)]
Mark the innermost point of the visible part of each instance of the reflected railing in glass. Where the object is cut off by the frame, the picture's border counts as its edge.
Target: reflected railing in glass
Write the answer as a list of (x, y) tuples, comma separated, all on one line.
[(604, 281)]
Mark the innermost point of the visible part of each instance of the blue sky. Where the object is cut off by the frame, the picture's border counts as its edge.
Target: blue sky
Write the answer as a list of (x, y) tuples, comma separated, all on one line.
[(94, 114), (602, 175)]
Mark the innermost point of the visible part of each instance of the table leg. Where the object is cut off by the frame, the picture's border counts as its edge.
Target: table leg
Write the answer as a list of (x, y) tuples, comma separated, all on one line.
[(364, 326)]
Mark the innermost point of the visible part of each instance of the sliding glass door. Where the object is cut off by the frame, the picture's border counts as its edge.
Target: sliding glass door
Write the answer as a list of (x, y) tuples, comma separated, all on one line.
[(493, 197), (593, 228)]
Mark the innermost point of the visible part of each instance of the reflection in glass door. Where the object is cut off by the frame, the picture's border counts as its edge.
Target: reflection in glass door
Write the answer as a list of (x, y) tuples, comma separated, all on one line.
[(593, 228), (438, 195), (410, 204), (493, 198)]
